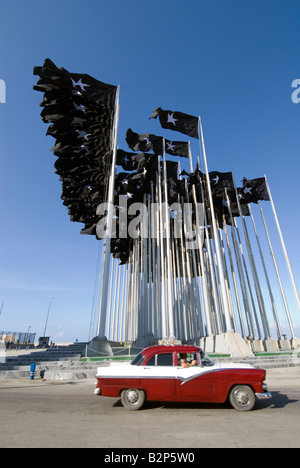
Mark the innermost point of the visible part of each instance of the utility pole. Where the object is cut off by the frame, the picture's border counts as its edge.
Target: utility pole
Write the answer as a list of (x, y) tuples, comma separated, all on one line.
[(1, 307)]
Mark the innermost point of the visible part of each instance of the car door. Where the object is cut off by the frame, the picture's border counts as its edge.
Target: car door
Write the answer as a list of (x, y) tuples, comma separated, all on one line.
[(195, 384), (159, 378)]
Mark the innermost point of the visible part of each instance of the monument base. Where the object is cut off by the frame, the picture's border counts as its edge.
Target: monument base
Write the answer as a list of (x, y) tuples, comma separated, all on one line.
[(285, 345), (257, 346), (271, 346), (230, 343), (295, 343), (99, 347)]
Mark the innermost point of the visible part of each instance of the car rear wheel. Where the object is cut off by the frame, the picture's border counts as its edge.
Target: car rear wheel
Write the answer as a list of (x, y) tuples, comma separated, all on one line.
[(133, 399), (242, 398)]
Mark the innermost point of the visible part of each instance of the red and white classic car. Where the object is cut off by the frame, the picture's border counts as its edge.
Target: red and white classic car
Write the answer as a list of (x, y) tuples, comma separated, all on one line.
[(163, 373)]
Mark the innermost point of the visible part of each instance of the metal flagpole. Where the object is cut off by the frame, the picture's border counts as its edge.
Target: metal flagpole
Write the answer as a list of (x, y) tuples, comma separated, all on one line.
[(161, 251), (279, 333), (168, 245), (283, 246), (149, 265), (258, 291), (216, 239), (227, 281), (238, 302), (238, 250), (108, 315), (199, 244), (215, 298), (191, 260), (241, 250), (185, 301), (107, 247), (278, 275), (157, 261)]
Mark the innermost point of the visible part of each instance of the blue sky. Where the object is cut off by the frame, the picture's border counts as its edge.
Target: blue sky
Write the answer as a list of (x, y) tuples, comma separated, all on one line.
[(232, 62)]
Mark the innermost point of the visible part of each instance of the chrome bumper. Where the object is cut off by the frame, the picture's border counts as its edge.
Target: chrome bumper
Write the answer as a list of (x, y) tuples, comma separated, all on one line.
[(263, 396), (97, 391)]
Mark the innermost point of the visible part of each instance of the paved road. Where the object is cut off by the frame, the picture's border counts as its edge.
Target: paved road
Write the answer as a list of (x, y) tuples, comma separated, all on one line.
[(43, 414)]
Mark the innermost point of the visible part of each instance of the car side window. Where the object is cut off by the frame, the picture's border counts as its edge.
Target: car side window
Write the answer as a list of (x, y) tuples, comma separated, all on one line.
[(161, 360), (165, 359), (152, 361)]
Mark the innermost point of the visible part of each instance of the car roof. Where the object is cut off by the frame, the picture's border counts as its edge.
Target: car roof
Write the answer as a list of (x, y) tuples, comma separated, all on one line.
[(161, 349)]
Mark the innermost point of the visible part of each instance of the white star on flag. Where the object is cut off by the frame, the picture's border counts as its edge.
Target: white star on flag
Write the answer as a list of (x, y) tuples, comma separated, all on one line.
[(82, 134), (216, 180), (248, 190), (80, 107), (79, 83), (170, 146), (171, 119)]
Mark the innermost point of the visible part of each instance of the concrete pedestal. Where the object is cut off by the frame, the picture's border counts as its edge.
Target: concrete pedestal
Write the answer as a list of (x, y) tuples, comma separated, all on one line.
[(295, 344), (257, 346), (209, 344), (271, 346), (233, 344), (284, 345), (99, 347)]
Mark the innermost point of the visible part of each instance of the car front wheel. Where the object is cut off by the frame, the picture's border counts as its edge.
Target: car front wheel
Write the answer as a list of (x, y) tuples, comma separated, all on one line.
[(133, 399), (242, 398)]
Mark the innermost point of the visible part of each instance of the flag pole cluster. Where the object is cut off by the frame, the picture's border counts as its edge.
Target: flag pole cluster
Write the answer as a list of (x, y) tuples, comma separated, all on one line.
[(173, 264)]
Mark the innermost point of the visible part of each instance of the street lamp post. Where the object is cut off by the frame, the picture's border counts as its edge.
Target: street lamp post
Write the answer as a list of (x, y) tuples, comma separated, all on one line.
[(46, 324)]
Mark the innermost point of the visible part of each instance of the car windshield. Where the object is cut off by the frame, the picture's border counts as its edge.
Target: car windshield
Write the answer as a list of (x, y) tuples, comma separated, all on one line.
[(205, 360), (138, 360)]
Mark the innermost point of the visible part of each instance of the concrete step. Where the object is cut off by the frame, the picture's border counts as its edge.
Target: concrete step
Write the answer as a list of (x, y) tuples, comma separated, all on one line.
[(267, 362), (66, 370), (41, 358)]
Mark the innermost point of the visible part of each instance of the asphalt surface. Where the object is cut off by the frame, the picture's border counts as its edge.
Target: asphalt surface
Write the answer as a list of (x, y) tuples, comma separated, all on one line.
[(67, 415)]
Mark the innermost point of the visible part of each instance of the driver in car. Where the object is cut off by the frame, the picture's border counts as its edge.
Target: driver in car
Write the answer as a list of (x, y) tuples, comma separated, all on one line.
[(184, 363)]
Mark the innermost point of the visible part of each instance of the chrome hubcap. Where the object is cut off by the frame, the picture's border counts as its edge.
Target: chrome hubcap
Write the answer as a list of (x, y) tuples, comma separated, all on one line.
[(132, 396), (242, 397)]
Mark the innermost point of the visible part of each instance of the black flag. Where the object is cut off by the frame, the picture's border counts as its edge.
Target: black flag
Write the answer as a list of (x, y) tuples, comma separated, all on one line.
[(253, 191), (177, 148), (220, 181), (144, 142), (177, 121), (149, 142), (125, 160), (59, 80)]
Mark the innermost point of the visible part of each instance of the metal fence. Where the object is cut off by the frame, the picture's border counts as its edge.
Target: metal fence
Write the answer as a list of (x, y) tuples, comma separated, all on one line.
[(18, 337)]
